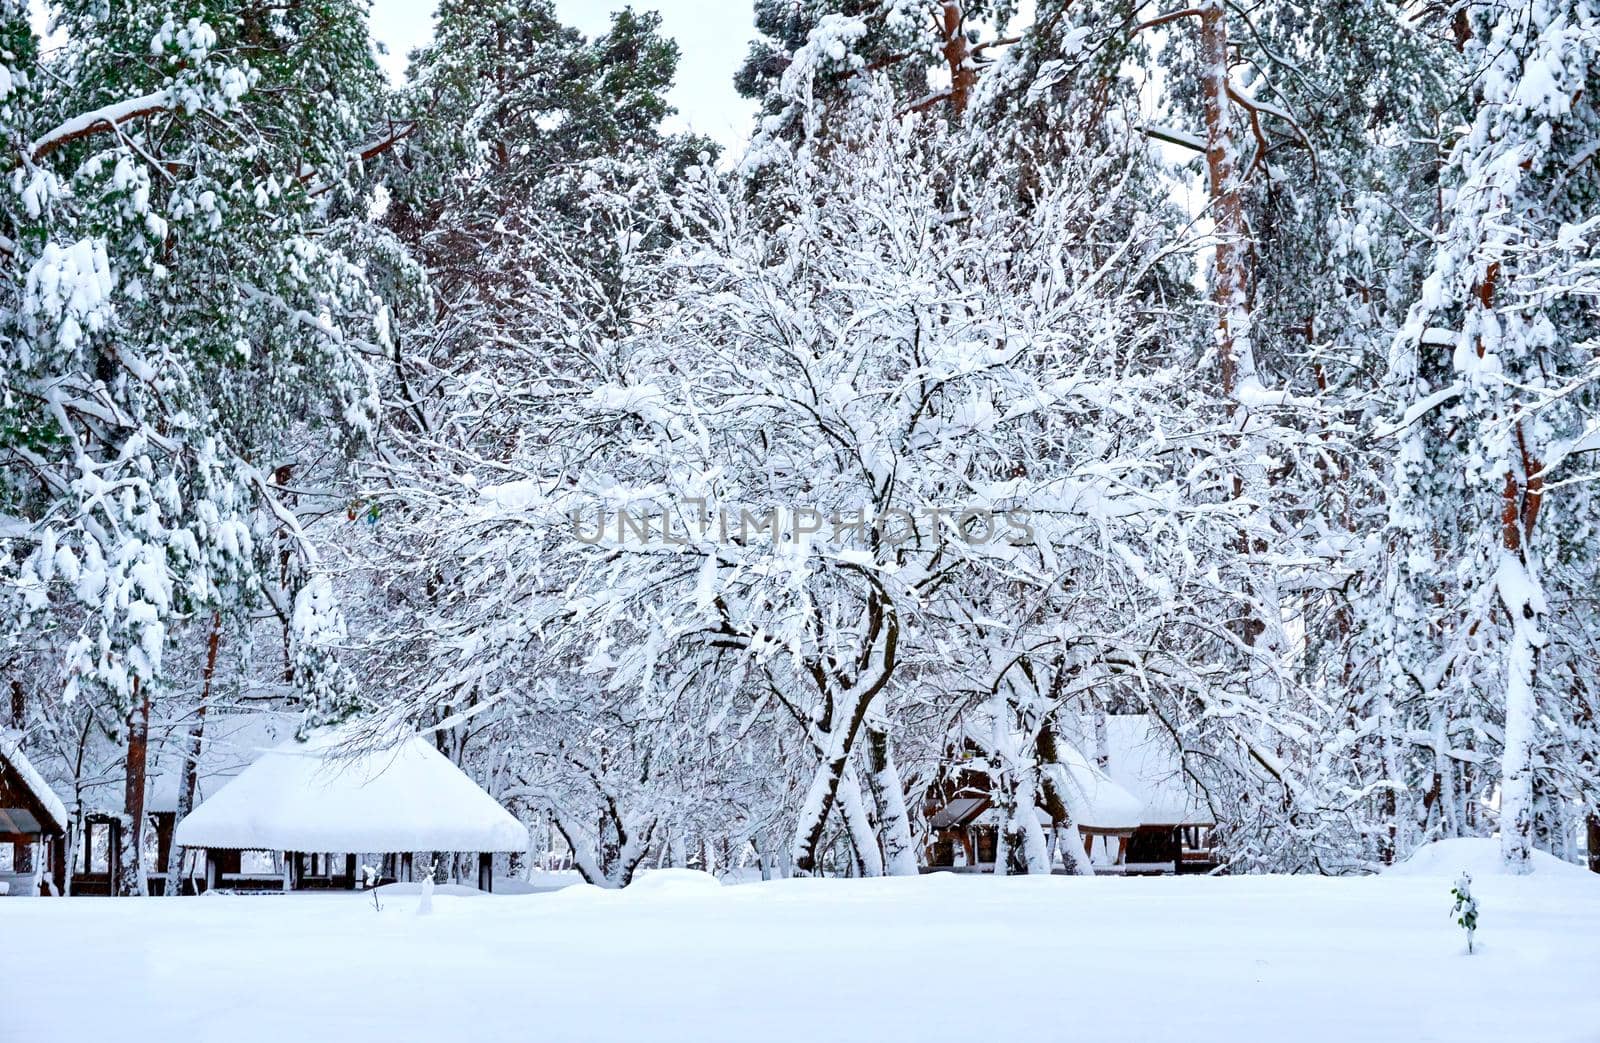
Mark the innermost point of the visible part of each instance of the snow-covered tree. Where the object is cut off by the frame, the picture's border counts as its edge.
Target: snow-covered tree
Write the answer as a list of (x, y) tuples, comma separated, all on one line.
[(1511, 296), (178, 310)]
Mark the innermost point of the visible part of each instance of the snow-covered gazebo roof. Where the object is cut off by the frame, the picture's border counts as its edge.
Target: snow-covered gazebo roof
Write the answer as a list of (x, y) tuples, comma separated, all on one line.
[(1094, 800), (318, 796), (1097, 801), (1145, 763), (47, 813)]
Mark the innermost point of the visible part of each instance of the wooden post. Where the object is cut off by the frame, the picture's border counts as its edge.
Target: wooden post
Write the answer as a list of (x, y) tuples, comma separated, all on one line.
[(350, 871), (211, 870), (113, 856), (485, 871), (164, 829), (288, 871), (58, 862)]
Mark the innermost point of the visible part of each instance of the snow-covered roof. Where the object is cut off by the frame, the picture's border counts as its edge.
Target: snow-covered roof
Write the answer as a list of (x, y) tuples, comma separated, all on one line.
[(1145, 763), (1096, 800), (958, 812), (1093, 801), (229, 744), (318, 796), (11, 754)]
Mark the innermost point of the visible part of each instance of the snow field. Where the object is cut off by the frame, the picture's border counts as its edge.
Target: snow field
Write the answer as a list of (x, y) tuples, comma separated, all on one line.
[(933, 958)]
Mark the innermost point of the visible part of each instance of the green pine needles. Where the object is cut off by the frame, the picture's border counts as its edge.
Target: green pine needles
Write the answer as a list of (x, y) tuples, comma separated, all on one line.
[(1465, 909)]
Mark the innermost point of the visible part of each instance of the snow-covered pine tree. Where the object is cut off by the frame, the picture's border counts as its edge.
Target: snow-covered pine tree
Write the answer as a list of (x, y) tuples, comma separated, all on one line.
[(811, 58), (1510, 296), (179, 310)]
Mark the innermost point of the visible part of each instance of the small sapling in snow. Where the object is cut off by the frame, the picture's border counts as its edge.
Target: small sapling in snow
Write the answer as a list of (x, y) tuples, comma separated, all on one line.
[(425, 905), (1466, 908)]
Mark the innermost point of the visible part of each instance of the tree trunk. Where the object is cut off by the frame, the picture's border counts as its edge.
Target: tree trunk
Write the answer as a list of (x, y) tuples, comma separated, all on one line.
[(894, 822), (836, 749), (1389, 841), (1028, 834), (958, 57), (819, 800), (1227, 208), (597, 867), (1053, 781), (1518, 591), (1019, 843), (841, 724), (130, 871), (853, 806), (191, 762), (1517, 583), (1264, 630)]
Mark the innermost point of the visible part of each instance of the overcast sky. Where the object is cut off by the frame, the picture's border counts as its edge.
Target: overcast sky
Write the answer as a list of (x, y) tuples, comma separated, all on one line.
[(711, 34)]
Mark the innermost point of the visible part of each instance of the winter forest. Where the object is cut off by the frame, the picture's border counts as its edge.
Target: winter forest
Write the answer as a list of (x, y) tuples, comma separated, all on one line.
[(1034, 372)]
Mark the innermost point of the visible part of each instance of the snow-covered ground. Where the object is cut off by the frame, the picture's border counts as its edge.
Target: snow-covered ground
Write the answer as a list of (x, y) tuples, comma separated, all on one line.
[(679, 957)]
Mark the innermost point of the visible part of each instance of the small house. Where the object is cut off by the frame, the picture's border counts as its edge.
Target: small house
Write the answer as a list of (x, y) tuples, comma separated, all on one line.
[(1133, 809), (965, 828), (33, 823)]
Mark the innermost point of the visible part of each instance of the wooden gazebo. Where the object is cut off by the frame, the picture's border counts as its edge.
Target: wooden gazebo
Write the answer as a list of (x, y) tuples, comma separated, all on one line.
[(1175, 822), (964, 827), (326, 803)]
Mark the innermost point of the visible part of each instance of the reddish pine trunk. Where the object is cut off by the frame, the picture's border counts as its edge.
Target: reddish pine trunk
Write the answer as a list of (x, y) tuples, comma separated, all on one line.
[(130, 871), (958, 57), (191, 763)]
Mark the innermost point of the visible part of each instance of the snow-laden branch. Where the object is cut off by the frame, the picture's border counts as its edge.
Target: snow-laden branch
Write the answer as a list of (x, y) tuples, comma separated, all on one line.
[(1175, 136), (369, 150), (107, 117)]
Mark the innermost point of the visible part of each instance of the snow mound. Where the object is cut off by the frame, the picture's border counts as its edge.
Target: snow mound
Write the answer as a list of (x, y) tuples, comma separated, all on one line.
[(674, 881), (580, 892), (539, 882), (397, 890), (1479, 856)]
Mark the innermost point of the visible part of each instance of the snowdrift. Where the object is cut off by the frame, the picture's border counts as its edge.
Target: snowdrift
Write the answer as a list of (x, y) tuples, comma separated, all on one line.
[(1479, 856), (674, 881)]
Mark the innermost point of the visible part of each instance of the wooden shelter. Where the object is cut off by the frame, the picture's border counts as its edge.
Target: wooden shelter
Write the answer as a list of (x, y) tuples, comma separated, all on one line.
[(964, 823), (33, 821), (326, 804), (1131, 805), (1175, 824)]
